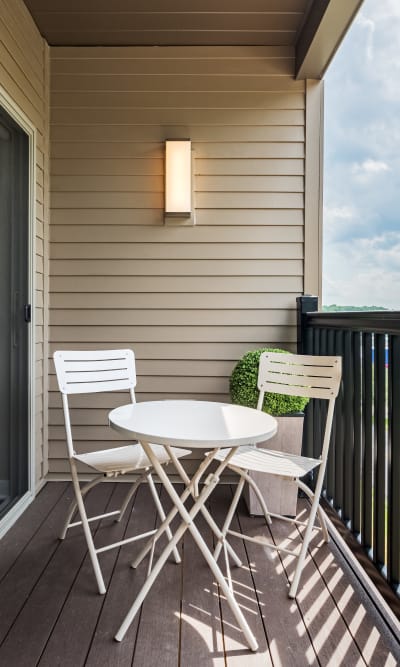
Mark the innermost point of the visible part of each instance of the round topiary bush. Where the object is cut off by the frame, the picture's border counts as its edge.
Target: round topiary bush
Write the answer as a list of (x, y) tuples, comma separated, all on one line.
[(243, 387)]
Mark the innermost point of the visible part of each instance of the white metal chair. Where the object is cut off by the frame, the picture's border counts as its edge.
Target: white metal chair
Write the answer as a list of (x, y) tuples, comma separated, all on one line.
[(296, 375), (86, 372)]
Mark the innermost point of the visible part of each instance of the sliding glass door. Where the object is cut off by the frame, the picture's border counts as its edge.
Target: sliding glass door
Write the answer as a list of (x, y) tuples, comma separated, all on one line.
[(14, 312)]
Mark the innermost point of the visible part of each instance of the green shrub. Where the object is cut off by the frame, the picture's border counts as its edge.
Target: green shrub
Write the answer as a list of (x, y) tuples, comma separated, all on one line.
[(243, 387)]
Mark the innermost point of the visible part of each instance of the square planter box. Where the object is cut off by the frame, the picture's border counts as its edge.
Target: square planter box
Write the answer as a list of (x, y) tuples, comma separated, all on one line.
[(280, 494)]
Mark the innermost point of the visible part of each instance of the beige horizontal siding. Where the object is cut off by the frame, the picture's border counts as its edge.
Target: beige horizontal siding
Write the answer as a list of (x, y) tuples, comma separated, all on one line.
[(67, 231), (23, 75), (122, 334), (142, 183), (141, 217), (262, 301), (185, 284), (171, 317), (155, 166), (188, 251), (189, 300), (291, 146)]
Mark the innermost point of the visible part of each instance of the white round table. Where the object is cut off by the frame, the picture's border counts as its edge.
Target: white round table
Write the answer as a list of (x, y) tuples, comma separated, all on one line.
[(193, 424)]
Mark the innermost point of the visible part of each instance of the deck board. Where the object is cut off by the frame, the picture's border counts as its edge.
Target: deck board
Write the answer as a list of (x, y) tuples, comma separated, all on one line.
[(15, 541), (54, 615), (272, 586)]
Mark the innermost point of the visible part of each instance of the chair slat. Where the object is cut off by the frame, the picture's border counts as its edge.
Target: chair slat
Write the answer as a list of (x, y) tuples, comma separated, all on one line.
[(302, 369), (95, 387), (311, 392), (103, 376), (299, 380), (93, 355), (101, 364)]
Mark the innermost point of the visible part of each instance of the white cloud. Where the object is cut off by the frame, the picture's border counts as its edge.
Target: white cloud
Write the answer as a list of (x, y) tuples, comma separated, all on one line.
[(369, 25), (365, 171)]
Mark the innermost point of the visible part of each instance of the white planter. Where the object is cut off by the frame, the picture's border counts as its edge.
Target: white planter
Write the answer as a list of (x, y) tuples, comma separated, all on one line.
[(280, 494)]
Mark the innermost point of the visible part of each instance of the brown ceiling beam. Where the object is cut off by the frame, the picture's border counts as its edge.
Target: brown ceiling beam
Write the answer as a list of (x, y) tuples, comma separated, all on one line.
[(323, 31)]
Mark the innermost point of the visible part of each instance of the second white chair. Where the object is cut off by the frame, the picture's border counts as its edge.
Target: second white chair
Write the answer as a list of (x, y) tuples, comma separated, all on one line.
[(296, 375), (87, 372)]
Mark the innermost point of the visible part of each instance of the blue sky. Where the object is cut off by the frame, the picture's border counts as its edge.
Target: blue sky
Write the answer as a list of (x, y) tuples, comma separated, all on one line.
[(361, 260)]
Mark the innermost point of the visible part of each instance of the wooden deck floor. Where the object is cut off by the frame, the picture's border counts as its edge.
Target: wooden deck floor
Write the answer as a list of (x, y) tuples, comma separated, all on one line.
[(51, 614)]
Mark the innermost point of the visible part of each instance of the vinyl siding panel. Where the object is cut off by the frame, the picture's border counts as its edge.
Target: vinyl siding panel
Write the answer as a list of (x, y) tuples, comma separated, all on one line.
[(190, 300), (24, 65)]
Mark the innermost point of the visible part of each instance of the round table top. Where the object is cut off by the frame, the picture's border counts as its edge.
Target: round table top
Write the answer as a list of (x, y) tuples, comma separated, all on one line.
[(193, 423)]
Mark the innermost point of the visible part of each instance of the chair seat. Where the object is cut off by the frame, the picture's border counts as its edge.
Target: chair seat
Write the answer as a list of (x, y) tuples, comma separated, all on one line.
[(268, 461), (126, 459)]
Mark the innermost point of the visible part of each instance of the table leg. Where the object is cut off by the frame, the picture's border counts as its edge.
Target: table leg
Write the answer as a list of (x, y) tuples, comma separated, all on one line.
[(190, 490), (187, 524), (173, 512), (221, 537)]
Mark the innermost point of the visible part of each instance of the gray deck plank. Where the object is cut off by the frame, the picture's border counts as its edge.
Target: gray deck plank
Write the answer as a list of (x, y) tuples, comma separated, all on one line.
[(83, 594), (293, 646), (375, 648), (163, 604), (235, 644), (33, 626), (329, 634), (16, 540), (30, 565), (201, 628), (124, 586)]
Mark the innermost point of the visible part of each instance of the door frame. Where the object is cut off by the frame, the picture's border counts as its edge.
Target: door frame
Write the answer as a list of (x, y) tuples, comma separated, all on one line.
[(23, 121)]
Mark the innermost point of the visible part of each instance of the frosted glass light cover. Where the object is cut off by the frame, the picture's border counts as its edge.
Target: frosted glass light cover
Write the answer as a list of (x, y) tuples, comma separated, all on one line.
[(178, 180)]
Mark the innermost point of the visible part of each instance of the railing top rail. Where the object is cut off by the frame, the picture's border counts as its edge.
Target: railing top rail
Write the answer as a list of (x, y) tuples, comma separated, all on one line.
[(380, 321)]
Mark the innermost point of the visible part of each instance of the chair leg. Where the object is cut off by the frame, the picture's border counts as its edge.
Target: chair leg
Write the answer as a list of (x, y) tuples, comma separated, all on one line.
[(129, 495), (87, 531), (73, 505), (304, 547), (321, 516), (229, 517), (161, 514), (260, 497)]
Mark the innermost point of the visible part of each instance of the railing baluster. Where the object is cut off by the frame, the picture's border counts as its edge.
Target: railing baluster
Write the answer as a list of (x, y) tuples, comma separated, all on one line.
[(308, 431), (358, 436), (332, 450), (394, 459), (348, 410), (316, 451), (381, 453), (368, 490), (338, 499), (323, 350)]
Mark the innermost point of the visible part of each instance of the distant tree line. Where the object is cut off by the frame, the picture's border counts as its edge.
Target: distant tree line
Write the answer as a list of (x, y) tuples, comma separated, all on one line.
[(334, 308)]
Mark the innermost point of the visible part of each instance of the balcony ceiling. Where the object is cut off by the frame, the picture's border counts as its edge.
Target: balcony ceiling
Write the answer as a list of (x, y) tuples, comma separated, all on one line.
[(313, 27)]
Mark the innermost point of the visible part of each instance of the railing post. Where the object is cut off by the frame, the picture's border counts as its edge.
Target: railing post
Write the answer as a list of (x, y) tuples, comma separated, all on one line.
[(305, 304)]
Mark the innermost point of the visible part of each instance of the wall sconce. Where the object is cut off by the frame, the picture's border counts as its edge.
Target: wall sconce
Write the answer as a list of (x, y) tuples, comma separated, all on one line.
[(178, 179)]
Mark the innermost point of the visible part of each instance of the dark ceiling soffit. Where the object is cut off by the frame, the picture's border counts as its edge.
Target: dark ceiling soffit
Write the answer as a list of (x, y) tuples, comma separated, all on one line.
[(322, 34)]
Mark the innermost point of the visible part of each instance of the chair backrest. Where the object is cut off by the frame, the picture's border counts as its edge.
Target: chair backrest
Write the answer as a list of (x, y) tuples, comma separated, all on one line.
[(299, 375), (302, 375), (92, 371)]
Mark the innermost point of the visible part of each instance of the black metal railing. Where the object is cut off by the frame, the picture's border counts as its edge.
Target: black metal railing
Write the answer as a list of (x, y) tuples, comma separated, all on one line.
[(362, 480)]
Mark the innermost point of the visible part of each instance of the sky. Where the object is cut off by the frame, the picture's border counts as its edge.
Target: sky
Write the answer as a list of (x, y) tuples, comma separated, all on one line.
[(361, 249)]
